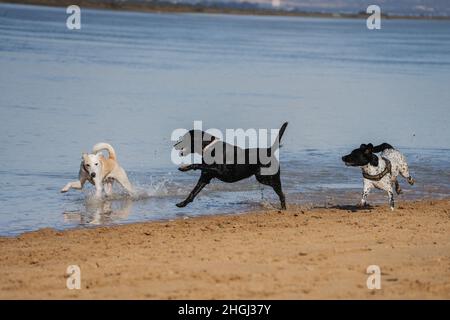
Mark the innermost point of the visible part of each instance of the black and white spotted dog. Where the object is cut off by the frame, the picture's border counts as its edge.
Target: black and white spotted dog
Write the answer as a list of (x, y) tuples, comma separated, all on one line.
[(379, 172)]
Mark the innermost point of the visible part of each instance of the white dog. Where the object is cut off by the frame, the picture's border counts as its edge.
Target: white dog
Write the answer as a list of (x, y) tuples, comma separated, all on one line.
[(100, 171)]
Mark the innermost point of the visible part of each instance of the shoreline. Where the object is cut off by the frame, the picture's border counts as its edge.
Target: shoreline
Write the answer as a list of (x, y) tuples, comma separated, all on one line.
[(318, 253), (186, 8)]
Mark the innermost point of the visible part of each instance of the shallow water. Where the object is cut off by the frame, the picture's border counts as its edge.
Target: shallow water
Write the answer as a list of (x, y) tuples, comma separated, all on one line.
[(131, 79)]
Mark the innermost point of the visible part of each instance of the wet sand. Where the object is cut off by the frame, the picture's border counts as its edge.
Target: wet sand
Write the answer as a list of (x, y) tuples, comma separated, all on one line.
[(297, 254)]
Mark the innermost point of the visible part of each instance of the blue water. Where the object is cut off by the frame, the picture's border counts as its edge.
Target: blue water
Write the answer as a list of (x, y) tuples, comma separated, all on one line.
[(132, 78)]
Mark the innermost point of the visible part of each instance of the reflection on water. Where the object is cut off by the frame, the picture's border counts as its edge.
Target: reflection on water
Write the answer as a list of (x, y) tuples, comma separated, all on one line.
[(130, 79), (100, 212)]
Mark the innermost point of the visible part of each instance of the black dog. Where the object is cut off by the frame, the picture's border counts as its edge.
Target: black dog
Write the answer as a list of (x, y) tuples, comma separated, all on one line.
[(237, 163)]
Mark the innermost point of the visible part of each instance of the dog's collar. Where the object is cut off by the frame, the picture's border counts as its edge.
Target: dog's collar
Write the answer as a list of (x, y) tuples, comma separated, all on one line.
[(378, 177)]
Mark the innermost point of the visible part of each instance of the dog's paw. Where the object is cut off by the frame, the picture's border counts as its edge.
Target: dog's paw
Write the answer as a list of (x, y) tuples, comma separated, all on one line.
[(181, 204), (362, 205), (64, 190), (411, 180), (184, 168)]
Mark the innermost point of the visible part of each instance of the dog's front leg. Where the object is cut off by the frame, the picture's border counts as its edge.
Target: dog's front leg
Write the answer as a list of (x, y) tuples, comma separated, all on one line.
[(189, 167), (366, 189), (98, 188), (186, 168), (391, 198), (202, 182), (73, 185), (212, 170), (82, 178)]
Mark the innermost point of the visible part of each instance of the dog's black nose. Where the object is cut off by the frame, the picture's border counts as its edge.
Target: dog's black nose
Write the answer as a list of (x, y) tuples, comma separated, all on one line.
[(343, 158), (93, 174)]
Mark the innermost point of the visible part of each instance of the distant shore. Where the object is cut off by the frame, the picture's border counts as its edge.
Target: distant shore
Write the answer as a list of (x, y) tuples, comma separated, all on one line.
[(161, 7)]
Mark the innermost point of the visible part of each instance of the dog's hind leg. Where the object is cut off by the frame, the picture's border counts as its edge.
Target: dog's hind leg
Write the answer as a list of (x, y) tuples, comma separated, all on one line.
[(121, 177), (398, 189), (108, 187), (404, 171), (279, 191), (202, 182), (275, 182)]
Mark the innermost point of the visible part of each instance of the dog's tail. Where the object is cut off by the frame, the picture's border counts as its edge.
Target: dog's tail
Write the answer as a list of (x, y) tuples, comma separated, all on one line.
[(105, 146), (280, 135), (382, 147)]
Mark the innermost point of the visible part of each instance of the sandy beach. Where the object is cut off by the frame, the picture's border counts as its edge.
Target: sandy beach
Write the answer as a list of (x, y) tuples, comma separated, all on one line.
[(139, 74), (296, 254)]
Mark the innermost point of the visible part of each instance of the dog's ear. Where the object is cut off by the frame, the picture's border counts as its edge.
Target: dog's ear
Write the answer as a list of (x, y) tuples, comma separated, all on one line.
[(374, 161), (369, 149), (84, 155)]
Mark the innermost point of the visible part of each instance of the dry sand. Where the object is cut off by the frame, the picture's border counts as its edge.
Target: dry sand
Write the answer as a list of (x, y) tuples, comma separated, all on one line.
[(296, 254)]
